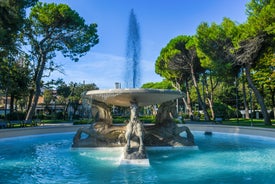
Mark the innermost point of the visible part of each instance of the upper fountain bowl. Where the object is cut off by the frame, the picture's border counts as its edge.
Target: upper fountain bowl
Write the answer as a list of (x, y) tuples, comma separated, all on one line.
[(144, 97)]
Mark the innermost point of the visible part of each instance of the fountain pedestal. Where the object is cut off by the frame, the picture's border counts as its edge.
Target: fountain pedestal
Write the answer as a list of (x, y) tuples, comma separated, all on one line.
[(134, 153), (134, 128)]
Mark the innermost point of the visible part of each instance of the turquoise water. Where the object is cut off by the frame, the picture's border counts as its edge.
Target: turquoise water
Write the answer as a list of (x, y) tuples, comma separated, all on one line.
[(221, 158)]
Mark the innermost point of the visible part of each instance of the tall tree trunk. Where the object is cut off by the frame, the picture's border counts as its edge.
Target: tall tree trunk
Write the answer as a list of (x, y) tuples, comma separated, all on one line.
[(37, 93), (202, 104), (273, 102), (188, 100), (6, 102), (68, 103), (30, 99), (246, 109), (11, 103), (211, 108), (210, 95), (258, 95)]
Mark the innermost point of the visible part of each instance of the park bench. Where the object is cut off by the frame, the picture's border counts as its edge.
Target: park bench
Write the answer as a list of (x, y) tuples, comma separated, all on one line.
[(218, 120), (37, 122), (15, 122), (28, 122)]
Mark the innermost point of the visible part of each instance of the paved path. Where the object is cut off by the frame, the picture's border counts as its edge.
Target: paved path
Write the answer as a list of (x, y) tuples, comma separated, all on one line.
[(210, 127), (43, 129), (194, 126)]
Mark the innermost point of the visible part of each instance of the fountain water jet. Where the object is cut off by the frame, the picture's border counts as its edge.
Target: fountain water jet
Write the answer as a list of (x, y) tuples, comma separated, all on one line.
[(132, 77)]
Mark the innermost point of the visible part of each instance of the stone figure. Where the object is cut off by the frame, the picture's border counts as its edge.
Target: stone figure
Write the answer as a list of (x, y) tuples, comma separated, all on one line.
[(134, 128), (104, 114), (167, 111), (166, 132), (100, 133)]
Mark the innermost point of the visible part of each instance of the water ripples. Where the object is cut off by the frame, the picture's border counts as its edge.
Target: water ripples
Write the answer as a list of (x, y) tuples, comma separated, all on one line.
[(219, 159)]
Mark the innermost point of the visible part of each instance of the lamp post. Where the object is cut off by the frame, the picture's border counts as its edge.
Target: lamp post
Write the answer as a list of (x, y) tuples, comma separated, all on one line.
[(237, 106), (203, 94), (251, 115)]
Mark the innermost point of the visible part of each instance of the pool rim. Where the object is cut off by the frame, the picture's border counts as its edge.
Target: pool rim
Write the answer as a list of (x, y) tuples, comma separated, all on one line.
[(69, 127)]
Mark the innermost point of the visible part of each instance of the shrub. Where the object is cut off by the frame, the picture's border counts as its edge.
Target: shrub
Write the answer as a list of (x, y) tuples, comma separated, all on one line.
[(148, 119), (59, 115), (184, 116), (119, 119), (18, 115), (82, 121), (224, 111), (144, 119)]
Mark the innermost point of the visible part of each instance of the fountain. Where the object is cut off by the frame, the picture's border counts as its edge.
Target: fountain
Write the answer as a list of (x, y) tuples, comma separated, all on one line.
[(133, 136)]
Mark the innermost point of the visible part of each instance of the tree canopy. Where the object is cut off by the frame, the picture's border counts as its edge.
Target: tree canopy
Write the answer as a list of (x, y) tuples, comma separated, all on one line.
[(52, 28), (179, 62), (12, 14), (222, 50)]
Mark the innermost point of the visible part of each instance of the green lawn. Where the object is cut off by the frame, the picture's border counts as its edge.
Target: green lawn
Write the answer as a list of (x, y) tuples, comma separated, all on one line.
[(247, 122)]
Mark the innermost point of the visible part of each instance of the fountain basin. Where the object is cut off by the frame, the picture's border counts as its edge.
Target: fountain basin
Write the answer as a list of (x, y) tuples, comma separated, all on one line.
[(144, 97), (221, 158)]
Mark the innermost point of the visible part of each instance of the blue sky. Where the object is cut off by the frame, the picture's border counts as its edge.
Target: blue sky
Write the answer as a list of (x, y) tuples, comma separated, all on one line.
[(159, 20)]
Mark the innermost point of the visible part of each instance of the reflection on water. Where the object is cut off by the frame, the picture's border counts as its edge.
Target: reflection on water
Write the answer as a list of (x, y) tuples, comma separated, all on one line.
[(221, 158), (134, 174)]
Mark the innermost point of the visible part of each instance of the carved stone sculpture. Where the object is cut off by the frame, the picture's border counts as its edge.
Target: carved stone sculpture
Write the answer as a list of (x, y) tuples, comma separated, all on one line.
[(102, 133), (134, 128), (164, 133)]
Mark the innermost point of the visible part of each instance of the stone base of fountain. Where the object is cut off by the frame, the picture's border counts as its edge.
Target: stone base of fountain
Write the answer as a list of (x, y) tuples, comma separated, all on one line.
[(134, 135), (164, 134), (134, 156), (134, 153)]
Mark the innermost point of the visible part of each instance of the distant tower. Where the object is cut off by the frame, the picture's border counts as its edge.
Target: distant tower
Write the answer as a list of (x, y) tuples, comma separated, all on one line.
[(132, 76), (117, 85)]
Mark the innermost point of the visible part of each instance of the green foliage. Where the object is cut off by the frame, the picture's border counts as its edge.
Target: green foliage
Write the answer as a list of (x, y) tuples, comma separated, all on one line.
[(261, 17), (224, 111), (18, 115), (56, 27), (11, 21), (148, 119), (247, 122), (214, 44), (14, 73), (74, 91), (15, 78), (82, 121), (48, 96), (169, 54), (164, 84), (59, 115), (178, 61), (119, 119), (264, 71), (51, 121), (52, 28), (144, 119), (63, 90)]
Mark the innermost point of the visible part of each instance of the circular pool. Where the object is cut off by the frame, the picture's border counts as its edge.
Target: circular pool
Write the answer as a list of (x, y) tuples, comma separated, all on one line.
[(220, 158)]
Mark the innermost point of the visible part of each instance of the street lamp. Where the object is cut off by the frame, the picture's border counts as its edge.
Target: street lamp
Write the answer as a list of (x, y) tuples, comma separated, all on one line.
[(237, 106), (251, 115)]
